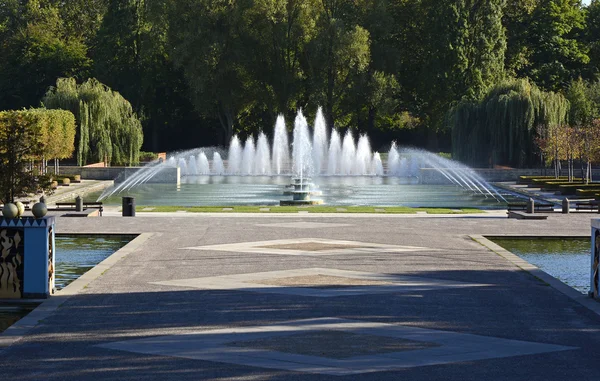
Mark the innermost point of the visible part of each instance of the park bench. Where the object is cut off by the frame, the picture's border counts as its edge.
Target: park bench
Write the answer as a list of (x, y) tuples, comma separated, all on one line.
[(538, 206), (71, 205), (586, 205)]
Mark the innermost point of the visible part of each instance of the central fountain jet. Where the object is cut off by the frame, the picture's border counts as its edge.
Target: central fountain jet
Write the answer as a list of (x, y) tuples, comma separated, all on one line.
[(303, 165)]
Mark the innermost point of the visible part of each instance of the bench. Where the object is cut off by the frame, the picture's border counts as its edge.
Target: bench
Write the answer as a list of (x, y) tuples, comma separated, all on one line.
[(538, 207), (586, 205), (71, 205), (526, 216)]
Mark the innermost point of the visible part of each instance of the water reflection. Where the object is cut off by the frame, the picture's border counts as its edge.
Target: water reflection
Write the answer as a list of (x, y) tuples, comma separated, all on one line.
[(565, 259), (77, 254)]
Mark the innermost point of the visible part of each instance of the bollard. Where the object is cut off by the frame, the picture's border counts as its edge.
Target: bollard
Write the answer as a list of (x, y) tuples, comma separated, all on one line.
[(566, 205), (78, 204), (531, 206), (128, 206)]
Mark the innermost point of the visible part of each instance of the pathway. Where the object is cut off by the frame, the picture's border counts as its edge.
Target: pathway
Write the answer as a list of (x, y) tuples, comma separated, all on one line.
[(220, 297)]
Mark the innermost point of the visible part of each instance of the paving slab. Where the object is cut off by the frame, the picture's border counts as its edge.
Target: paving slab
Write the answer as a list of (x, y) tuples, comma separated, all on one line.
[(156, 312)]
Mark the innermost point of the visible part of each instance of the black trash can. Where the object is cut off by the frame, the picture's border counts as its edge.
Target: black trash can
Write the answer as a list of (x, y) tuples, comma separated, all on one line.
[(78, 204), (128, 207)]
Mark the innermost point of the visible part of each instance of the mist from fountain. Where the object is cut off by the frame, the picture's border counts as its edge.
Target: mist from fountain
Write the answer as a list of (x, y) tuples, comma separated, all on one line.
[(183, 165), (377, 165), (281, 149), (203, 167), (192, 168), (348, 154), (302, 159), (248, 156), (262, 160), (334, 156), (319, 142), (218, 166), (235, 156)]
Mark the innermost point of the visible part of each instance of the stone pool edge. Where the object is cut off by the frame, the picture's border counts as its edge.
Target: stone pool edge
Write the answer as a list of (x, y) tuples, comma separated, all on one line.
[(553, 282), (19, 329)]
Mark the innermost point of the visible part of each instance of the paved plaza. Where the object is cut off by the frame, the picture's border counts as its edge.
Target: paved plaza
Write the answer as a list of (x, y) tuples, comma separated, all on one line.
[(310, 297)]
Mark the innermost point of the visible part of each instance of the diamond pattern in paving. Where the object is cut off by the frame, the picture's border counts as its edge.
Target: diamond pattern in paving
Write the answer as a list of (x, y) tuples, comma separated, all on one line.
[(310, 247), (287, 346), (319, 282)]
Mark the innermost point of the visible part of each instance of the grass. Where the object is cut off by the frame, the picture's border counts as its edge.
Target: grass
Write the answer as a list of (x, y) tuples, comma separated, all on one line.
[(310, 209)]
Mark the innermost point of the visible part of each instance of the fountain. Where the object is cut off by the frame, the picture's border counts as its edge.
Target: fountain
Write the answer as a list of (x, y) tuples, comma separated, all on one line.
[(321, 156), (304, 162)]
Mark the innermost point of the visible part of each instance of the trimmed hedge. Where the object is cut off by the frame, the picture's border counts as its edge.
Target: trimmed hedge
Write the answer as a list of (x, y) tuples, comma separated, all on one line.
[(49, 133)]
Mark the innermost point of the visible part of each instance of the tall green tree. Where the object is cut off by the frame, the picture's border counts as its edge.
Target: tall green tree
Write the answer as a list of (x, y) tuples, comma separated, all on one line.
[(592, 39), (35, 50), (558, 53), (464, 45), (281, 30), (517, 19), (206, 44), (339, 54)]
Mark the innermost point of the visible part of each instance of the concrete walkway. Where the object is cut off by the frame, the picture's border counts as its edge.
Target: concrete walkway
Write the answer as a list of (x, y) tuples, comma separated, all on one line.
[(302, 297)]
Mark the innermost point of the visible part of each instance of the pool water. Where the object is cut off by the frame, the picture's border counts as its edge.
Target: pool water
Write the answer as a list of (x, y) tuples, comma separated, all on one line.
[(337, 190), (75, 255), (565, 259)]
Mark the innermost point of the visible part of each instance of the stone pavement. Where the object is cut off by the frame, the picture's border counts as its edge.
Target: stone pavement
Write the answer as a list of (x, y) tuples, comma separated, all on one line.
[(303, 297)]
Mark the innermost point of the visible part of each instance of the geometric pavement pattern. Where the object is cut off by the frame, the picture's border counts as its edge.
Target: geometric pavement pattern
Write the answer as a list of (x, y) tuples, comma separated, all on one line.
[(319, 282), (309, 247), (295, 346)]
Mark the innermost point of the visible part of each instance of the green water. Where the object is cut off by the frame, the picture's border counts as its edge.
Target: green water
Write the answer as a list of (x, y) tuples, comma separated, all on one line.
[(75, 255), (565, 259)]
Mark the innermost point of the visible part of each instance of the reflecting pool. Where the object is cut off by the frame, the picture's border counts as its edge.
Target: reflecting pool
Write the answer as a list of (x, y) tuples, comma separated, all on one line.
[(75, 254), (337, 190), (565, 259)]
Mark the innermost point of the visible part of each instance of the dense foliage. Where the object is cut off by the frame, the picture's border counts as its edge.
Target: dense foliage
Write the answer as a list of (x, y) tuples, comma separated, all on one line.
[(197, 71), (27, 137), (109, 131)]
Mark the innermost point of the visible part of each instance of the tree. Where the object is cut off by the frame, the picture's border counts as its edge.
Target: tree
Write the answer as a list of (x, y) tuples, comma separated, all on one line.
[(108, 129), (501, 128), (558, 53), (592, 39), (35, 50), (132, 56), (281, 30), (464, 53), (207, 46), (583, 111), (337, 57), (31, 135), (517, 20)]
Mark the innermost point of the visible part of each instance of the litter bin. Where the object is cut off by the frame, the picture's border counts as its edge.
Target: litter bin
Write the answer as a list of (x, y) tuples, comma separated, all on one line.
[(78, 204), (128, 207)]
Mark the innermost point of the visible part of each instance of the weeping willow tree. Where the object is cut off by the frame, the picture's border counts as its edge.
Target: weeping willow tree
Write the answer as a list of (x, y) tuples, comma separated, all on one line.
[(502, 127), (108, 129)]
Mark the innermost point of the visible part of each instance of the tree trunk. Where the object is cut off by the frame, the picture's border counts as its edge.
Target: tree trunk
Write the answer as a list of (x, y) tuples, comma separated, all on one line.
[(226, 120)]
